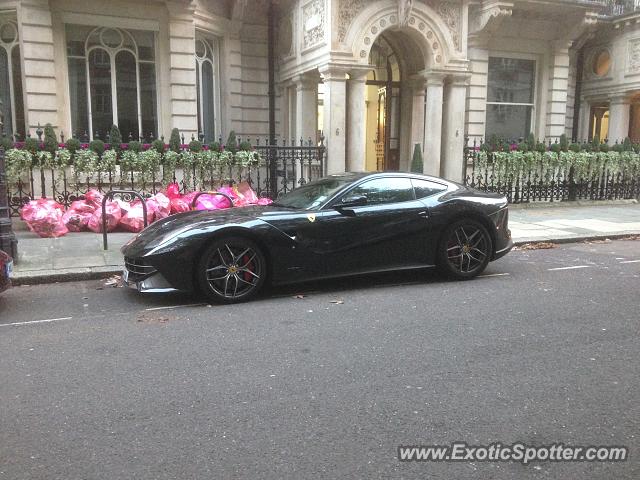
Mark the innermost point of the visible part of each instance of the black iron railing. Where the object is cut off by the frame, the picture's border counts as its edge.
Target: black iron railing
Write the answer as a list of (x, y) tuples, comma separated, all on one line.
[(551, 176), (271, 170), (616, 8)]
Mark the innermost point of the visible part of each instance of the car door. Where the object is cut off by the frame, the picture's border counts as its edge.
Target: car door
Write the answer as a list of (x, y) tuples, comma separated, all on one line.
[(388, 232)]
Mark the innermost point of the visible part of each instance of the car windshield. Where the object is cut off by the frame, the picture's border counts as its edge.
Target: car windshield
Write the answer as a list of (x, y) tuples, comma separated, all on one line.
[(314, 194)]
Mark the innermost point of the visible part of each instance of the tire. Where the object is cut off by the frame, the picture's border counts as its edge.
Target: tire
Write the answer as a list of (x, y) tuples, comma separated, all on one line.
[(464, 250), (232, 269)]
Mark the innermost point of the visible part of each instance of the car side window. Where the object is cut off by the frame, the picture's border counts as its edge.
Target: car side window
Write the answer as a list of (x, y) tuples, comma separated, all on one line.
[(425, 188), (384, 190)]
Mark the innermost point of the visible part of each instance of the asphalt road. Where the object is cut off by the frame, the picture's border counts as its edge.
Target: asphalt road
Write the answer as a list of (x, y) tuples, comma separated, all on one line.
[(330, 384)]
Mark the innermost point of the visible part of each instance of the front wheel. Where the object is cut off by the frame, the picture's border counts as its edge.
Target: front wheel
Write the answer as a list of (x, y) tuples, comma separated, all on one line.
[(232, 270), (464, 250)]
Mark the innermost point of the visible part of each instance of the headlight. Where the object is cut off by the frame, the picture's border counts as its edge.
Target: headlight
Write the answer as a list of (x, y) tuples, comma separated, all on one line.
[(166, 239)]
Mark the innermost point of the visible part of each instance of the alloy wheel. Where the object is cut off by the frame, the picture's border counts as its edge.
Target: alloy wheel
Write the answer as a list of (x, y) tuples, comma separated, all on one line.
[(468, 249), (234, 270)]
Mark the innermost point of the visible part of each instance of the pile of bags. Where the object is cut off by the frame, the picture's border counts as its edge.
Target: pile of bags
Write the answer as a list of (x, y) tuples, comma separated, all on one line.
[(47, 218), (242, 196)]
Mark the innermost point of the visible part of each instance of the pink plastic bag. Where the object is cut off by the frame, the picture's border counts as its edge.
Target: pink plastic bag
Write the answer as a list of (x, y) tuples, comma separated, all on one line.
[(112, 213), (232, 192), (135, 205), (30, 210), (124, 206), (247, 192), (76, 221), (265, 201), (133, 220), (44, 218), (77, 216), (212, 202), (173, 191), (94, 197), (81, 206), (160, 205), (188, 198), (179, 205)]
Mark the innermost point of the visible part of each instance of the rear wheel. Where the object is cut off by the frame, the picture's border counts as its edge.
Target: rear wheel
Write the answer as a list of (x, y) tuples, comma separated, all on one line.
[(464, 250), (232, 270)]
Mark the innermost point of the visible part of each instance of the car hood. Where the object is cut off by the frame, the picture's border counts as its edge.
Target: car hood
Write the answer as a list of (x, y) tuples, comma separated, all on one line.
[(198, 220)]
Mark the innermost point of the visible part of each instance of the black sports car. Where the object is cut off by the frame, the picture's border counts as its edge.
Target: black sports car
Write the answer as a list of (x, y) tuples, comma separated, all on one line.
[(341, 225)]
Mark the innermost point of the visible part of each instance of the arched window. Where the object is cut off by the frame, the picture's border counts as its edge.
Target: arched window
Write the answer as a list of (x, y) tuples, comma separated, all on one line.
[(112, 80), (207, 85), (11, 80)]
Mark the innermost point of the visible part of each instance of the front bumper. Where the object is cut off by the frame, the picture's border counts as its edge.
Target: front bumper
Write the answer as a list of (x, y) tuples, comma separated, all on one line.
[(155, 283), (144, 277), (503, 251)]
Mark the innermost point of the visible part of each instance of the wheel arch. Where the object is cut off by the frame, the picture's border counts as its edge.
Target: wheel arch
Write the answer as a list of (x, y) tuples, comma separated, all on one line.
[(235, 231), (479, 217)]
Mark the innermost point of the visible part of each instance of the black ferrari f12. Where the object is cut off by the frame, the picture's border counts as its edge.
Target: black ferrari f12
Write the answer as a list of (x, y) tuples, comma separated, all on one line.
[(347, 224)]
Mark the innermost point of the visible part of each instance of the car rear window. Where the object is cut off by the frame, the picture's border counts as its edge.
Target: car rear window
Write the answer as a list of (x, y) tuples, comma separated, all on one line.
[(426, 188)]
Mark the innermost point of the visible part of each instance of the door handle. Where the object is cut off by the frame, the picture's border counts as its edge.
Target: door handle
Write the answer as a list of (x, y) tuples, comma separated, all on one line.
[(423, 214)]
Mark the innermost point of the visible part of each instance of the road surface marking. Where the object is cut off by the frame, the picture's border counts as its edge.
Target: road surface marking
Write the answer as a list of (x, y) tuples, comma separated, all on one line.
[(48, 320), (493, 275), (631, 261), (175, 306), (568, 268)]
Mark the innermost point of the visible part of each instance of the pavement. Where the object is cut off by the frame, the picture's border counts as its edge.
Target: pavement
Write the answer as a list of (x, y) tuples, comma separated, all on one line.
[(326, 380), (78, 256)]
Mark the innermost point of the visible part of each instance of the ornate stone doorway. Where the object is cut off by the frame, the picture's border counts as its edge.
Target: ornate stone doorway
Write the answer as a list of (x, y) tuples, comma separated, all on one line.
[(383, 108)]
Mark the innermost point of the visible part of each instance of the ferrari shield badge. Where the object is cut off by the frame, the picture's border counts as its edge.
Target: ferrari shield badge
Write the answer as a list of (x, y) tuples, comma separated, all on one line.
[(311, 217)]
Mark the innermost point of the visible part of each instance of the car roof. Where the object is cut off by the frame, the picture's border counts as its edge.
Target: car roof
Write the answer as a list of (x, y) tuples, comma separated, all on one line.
[(354, 176)]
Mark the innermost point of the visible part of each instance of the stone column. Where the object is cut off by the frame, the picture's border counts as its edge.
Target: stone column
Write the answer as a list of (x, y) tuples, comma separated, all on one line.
[(182, 79), (453, 167), (38, 68), (418, 87), (433, 125), (335, 96), (585, 119), (557, 92), (619, 112), (306, 104), (356, 122), (599, 114)]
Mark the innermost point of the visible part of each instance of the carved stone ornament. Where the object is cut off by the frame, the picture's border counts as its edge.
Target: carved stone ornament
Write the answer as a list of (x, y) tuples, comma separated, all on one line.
[(346, 13), (451, 13), (633, 63), (313, 23), (285, 36), (404, 12)]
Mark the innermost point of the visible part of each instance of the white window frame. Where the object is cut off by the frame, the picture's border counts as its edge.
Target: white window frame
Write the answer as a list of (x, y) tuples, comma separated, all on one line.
[(8, 47), (112, 52), (211, 43), (536, 65)]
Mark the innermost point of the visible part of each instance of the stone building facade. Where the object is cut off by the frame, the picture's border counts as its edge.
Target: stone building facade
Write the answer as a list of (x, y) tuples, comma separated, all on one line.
[(373, 77)]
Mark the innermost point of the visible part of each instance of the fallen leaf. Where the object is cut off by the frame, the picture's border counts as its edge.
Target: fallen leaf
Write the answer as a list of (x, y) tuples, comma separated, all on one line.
[(536, 246), (115, 282), (298, 296), (605, 240), (146, 317), (337, 302)]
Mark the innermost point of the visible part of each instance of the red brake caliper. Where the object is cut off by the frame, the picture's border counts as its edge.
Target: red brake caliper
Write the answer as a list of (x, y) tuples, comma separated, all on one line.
[(249, 266)]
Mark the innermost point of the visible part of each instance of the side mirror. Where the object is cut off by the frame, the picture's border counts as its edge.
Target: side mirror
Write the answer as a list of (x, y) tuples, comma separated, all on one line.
[(350, 202), (345, 207)]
